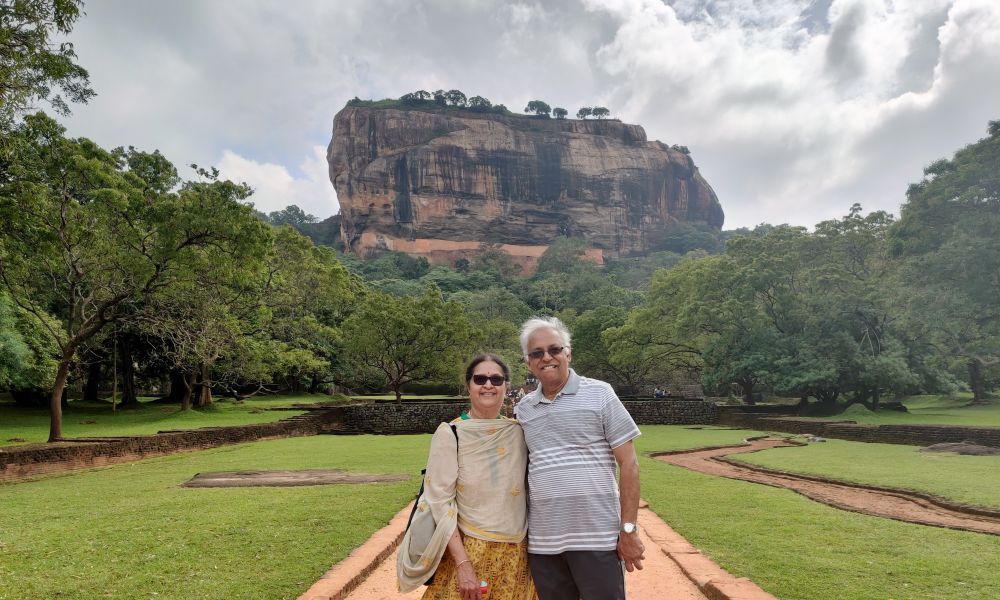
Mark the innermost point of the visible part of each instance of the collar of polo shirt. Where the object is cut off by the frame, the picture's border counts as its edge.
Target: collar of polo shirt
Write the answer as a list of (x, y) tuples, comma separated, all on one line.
[(571, 387)]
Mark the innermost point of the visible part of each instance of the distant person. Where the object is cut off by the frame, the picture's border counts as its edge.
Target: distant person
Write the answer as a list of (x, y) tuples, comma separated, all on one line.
[(475, 486), (582, 522)]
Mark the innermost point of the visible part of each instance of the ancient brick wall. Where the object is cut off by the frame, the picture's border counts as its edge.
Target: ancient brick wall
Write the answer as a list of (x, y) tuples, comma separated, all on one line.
[(19, 462), (424, 417), (37, 459), (913, 435)]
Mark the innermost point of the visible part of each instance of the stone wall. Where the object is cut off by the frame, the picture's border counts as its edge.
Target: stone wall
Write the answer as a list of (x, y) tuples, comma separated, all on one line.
[(18, 462), (913, 435), (424, 417)]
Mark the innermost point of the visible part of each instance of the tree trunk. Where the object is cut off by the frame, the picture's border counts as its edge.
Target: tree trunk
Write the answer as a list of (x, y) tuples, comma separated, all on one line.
[(205, 394), (91, 393), (55, 402), (187, 386), (977, 382)]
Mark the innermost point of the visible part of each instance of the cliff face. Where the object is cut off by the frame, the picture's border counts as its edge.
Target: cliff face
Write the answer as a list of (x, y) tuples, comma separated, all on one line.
[(439, 185)]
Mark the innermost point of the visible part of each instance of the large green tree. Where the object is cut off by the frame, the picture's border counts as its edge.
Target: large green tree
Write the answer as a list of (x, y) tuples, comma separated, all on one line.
[(88, 237), (33, 65), (948, 239), (408, 339)]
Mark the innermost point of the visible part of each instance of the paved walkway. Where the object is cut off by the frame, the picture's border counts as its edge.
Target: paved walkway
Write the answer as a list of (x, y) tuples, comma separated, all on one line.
[(673, 569)]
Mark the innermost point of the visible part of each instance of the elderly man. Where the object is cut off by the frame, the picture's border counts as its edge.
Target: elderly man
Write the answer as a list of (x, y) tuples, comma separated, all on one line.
[(581, 521)]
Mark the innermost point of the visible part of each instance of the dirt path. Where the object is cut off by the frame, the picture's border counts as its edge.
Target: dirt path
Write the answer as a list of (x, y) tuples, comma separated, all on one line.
[(893, 504)]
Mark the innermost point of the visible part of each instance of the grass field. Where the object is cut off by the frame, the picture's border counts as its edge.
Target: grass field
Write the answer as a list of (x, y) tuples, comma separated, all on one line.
[(129, 531), (795, 548), (965, 479), (932, 410), (32, 425)]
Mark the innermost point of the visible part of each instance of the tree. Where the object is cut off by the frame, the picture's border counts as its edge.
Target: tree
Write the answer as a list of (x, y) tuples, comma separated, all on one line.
[(600, 112), (494, 303), (564, 254), (90, 238), (31, 65), (408, 340), (559, 113), (479, 104), (584, 112), (27, 354), (948, 240), (491, 258), (291, 215), (455, 98), (417, 97), (538, 107), (440, 97), (308, 296)]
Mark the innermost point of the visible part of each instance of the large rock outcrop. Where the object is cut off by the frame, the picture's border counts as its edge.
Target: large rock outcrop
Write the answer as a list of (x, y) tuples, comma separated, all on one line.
[(439, 184)]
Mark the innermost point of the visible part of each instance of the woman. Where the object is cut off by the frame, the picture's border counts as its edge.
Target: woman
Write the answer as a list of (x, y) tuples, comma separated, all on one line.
[(475, 488)]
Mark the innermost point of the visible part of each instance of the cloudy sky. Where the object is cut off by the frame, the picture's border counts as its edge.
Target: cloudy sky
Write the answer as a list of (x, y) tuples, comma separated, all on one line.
[(793, 110)]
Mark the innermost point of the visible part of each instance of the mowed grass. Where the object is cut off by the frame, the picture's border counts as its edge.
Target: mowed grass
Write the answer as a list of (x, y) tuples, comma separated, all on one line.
[(929, 410), (795, 548), (965, 479), (130, 531), (32, 424)]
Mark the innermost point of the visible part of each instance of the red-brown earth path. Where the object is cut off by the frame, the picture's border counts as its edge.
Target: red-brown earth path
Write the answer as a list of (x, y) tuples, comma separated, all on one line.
[(902, 505)]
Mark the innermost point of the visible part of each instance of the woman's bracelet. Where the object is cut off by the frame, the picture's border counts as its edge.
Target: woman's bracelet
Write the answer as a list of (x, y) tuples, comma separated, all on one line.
[(462, 563)]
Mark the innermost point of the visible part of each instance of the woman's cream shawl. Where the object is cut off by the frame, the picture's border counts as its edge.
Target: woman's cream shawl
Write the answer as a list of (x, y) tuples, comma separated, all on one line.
[(481, 491)]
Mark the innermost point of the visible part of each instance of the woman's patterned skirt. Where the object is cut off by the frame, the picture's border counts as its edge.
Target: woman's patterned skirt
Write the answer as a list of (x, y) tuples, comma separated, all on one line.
[(503, 566)]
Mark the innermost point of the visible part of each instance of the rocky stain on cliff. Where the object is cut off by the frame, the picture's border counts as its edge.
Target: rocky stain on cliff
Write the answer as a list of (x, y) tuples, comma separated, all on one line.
[(442, 184)]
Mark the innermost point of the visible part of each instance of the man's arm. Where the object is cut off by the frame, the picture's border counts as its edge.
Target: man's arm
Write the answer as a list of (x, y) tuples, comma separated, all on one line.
[(630, 548)]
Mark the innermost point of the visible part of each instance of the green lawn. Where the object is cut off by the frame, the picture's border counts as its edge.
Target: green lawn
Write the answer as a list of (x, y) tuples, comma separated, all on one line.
[(32, 425), (795, 548), (933, 410), (129, 531), (965, 479)]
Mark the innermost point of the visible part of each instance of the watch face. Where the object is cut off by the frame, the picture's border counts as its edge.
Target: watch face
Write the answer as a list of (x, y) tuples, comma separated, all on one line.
[(628, 527)]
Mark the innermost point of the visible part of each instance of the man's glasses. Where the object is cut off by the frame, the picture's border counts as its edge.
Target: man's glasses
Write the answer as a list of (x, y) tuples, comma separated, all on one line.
[(553, 351), (496, 380)]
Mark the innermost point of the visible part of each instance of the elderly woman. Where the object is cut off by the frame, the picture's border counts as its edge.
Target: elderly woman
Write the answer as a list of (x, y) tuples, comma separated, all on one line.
[(475, 487)]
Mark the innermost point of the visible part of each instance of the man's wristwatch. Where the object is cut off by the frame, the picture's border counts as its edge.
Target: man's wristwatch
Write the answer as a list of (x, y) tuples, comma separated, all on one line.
[(628, 527)]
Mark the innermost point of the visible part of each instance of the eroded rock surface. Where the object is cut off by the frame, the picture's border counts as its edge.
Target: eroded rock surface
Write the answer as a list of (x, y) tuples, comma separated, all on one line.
[(440, 184)]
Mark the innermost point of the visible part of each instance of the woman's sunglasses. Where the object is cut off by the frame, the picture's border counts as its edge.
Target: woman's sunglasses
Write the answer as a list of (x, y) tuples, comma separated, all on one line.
[(496, 380), (554, 351)]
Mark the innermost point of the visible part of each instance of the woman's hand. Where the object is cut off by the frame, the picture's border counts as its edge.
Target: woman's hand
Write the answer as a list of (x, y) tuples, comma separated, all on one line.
[(468, 582)]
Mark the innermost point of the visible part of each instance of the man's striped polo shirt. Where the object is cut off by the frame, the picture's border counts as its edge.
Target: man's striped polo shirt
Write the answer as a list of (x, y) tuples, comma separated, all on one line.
[(572, 489)]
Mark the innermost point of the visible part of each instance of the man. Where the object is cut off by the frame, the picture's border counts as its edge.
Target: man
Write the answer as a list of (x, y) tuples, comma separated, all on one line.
[(581, 522)]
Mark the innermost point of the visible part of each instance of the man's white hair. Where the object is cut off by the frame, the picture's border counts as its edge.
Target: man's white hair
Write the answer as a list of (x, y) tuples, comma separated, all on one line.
[(535, 324)]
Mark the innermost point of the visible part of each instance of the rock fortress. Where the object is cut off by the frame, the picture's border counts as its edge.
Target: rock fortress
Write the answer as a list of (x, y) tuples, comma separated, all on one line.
[(440, 184)]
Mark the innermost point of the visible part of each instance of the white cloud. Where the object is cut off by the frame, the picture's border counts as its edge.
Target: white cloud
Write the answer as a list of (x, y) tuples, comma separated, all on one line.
[(793, 109), (783, 120), (275, 188)]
